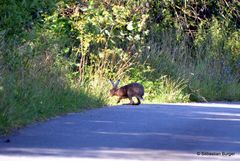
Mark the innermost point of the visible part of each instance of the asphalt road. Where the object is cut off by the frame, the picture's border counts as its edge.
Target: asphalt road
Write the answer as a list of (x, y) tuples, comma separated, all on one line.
[(164, 132)]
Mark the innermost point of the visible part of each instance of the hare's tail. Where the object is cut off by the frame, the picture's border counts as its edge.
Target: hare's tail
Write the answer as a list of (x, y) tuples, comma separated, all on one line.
[(140, 97)]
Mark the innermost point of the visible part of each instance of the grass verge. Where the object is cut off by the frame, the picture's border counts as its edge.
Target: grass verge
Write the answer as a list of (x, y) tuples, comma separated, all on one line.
[(33, 98)]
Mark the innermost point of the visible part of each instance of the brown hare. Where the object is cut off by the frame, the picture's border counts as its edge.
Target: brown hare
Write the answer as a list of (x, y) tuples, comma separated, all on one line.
[(128, 91)]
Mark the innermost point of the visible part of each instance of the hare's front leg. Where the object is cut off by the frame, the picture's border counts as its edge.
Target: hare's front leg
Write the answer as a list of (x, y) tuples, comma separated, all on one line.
[(119, 99)]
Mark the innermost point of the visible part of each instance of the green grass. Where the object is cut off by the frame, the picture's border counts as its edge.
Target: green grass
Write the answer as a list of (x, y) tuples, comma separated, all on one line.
[(214, 83), (32, 99), (211, 75)]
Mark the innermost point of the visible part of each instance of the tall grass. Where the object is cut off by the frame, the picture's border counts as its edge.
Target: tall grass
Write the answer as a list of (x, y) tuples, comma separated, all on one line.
[(36, 99), (207, 68), (166, 90), (159, 87), (215, 80), (37, 89)]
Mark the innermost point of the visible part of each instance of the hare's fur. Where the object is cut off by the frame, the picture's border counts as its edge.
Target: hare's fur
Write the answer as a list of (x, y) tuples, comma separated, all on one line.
[(128, 91)]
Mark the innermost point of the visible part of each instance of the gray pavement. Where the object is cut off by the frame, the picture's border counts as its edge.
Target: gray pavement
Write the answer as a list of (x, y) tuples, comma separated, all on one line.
[(171, 132)]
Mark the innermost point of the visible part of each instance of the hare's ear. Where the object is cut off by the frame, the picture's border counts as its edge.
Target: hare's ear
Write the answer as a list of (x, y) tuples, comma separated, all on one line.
[(117, 83), (111, 82)]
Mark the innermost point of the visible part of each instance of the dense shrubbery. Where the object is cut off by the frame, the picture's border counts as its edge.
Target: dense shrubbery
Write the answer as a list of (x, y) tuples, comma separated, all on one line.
[(57, 56)]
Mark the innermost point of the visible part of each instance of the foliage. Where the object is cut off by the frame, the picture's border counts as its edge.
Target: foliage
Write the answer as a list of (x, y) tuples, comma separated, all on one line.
[(38, 89), (18, 17), (106, 32), (190, 15), (211, 68)]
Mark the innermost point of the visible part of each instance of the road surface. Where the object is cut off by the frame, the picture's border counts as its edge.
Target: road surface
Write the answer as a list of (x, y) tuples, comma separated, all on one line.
[(164, 132)]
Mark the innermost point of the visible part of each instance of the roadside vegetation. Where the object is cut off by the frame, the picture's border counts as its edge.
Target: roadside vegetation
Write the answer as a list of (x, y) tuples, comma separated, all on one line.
[(57, 56)]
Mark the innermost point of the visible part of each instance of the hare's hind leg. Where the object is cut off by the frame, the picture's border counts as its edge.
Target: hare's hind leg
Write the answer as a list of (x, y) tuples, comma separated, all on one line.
[(139, 102)]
